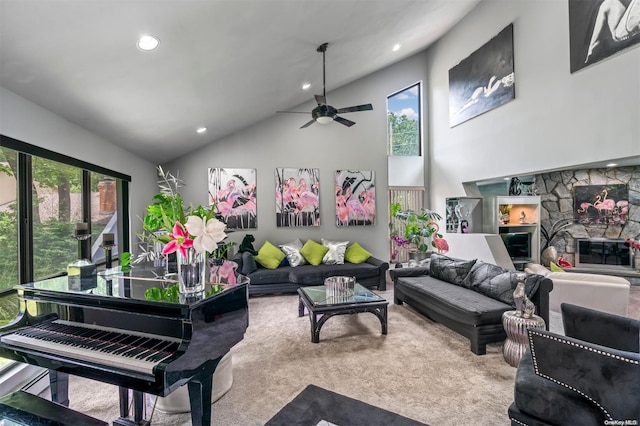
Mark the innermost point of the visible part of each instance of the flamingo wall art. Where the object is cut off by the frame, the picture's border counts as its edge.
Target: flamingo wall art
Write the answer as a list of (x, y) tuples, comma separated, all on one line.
[(234, 193), (601, 204), (355, 198), (297, 197)]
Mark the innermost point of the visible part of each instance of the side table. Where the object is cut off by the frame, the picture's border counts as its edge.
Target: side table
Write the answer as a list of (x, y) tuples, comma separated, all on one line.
[(516, 329)]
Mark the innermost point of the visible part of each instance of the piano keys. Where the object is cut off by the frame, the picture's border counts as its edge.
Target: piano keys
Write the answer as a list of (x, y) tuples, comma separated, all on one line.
[(103, 345), (104, 329)]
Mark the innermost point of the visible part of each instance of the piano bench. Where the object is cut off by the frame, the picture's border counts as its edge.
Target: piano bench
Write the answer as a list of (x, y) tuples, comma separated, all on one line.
[(25, 408)]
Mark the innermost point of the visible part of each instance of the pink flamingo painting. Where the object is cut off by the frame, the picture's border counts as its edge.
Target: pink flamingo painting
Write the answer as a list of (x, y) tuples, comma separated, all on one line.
[(355, 198), (233, 192), (602, 204), (297, 197)]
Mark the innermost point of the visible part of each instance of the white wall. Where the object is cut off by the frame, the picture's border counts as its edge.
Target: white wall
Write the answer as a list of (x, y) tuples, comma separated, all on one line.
[(28, 122), (557, 120), (279, 142)]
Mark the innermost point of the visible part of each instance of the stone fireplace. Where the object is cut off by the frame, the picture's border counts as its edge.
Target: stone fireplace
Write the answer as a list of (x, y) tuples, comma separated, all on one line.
[(602, 253), (556, 190)]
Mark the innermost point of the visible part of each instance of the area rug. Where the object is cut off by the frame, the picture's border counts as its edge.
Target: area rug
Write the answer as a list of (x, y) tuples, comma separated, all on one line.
[(315, 405)]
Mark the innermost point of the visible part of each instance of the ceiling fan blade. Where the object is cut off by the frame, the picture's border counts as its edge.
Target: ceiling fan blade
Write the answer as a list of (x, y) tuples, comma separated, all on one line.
[(364, 107), (292, 112), (344, 121), (321, 99), (308, 124)]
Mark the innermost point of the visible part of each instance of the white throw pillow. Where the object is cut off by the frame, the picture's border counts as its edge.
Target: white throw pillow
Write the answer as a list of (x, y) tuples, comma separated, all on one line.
[(292, 250), (335, 255)]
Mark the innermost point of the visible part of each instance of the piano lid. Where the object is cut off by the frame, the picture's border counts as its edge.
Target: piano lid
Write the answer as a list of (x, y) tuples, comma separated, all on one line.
[(133, 285)]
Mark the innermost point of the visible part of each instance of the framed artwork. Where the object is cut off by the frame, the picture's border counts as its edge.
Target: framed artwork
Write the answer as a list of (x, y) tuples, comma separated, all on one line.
[(601, 28), (484, 80), (234, 193), (601, 204), (355, 198), (297, 197)]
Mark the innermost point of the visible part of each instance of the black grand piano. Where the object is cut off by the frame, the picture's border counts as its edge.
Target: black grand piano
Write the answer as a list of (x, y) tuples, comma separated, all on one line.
[(104, 328)]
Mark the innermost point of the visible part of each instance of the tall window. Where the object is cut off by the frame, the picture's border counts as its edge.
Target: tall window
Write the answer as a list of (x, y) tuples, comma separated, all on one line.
[(43, 196), (403, 121), (8, 222)]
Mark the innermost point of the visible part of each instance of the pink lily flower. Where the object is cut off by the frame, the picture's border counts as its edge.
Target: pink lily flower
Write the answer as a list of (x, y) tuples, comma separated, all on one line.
[(180, 241)]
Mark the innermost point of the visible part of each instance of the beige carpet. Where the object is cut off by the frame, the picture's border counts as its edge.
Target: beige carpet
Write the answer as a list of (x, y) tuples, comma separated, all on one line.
[(421, 369)]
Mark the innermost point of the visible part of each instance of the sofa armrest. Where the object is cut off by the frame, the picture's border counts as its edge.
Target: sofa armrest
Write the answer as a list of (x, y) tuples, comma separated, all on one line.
[(238, 259), (601, 328), (382, 268), (607, 377), (541, 299), (407, 272)]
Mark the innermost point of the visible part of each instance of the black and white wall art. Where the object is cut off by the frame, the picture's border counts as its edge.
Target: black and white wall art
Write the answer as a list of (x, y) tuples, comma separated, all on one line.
[(601, 28), (484, 80)]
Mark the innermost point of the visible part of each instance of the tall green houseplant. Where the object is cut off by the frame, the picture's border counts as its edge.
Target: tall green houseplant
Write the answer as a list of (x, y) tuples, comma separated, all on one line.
[(419, 227)]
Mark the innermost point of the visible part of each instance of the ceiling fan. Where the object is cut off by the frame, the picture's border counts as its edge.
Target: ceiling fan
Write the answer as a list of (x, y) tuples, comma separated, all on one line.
[(325, 113)]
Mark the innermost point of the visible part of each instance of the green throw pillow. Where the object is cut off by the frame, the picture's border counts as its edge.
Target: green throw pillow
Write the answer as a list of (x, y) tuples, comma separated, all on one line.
[(270, 256), (555, 268), (356, 254), (313, 252)]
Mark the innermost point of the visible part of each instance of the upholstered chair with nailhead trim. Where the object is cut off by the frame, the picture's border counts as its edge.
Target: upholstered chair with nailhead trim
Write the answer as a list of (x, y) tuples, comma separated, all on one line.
[(590, 376)]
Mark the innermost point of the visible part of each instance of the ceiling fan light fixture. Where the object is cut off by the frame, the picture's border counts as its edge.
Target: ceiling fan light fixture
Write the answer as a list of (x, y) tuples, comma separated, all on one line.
[(147, 43), (324, 120)]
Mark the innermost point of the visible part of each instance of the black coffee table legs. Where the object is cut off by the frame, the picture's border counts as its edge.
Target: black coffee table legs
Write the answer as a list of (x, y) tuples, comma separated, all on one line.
[(318, 318)]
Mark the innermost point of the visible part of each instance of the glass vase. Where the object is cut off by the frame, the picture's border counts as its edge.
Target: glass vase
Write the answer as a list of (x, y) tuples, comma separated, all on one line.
[(191, 272)]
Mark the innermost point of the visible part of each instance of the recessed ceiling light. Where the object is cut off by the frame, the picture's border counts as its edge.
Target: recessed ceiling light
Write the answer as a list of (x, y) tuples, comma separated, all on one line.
[(306, 86), (148, 42), (612, 164), (507, 178), (396, 47), (201, 129)]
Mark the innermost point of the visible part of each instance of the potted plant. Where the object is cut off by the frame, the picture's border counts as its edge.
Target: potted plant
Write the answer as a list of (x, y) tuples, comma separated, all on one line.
[(421, 230)]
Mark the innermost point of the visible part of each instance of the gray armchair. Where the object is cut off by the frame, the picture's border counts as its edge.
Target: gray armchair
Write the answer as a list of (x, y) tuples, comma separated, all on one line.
[(591, 376)]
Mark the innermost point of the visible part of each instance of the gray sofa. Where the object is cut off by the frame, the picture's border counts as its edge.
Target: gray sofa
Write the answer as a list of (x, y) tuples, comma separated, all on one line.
[(287, 279), (468, 296)]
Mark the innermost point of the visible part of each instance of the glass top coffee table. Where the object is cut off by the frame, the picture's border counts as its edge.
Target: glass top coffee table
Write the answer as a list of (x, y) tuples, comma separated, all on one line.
[(323, 303)]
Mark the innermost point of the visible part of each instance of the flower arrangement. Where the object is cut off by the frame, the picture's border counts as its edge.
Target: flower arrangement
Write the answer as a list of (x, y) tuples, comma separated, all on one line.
[(193, 233), (177, 228)]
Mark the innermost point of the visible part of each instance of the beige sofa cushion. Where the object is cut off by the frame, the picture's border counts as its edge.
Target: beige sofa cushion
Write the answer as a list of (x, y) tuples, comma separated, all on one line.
[(607, 293)]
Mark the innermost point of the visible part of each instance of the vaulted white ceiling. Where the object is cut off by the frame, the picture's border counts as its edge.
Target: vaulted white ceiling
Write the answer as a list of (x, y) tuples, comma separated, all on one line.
[(223, 64)]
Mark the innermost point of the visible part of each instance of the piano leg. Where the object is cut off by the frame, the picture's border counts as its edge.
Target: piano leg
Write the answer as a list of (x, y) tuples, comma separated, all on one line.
[(124, 401), (138, 408), (200, 399), (59, 384)]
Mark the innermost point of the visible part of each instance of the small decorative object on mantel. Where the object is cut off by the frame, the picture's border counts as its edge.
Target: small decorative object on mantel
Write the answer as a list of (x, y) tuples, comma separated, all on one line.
[(504, 213), (523, 217)]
